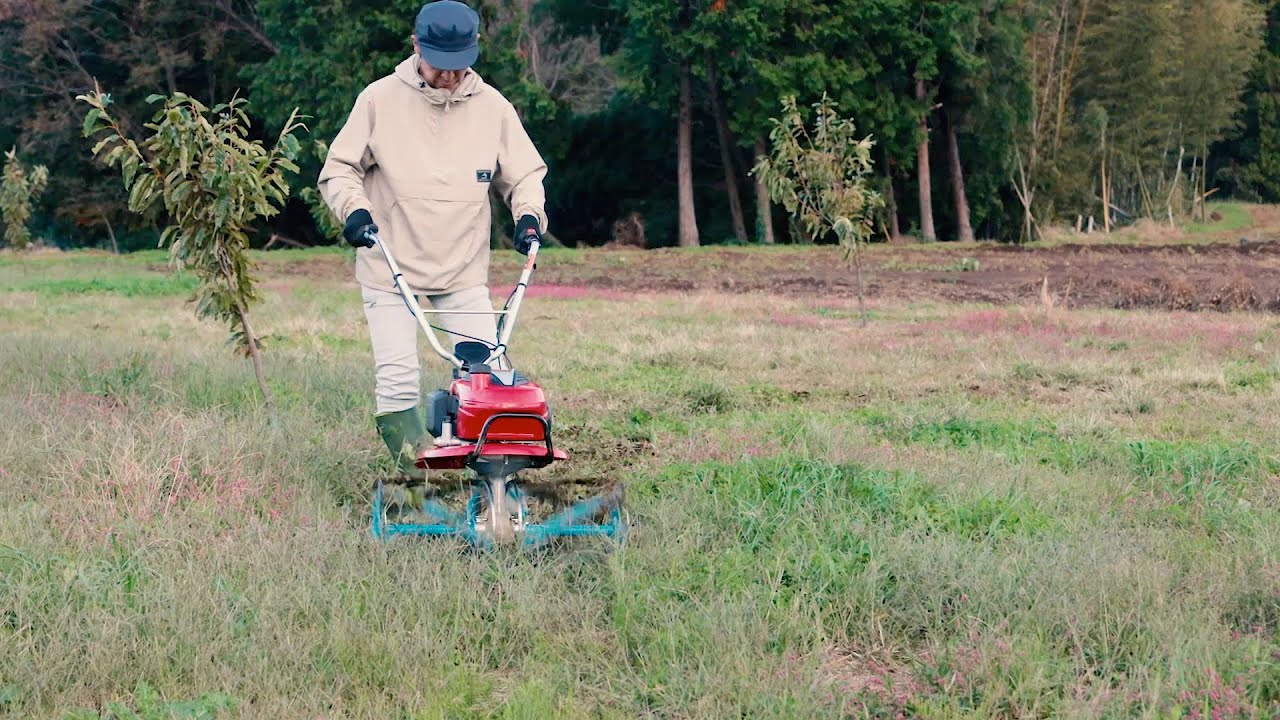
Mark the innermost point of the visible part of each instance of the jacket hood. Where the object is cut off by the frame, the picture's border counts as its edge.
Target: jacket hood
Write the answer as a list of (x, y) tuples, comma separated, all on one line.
[(470, 85)]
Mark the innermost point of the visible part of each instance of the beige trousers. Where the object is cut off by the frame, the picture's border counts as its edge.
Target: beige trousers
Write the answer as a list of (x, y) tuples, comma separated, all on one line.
[(394, 332)]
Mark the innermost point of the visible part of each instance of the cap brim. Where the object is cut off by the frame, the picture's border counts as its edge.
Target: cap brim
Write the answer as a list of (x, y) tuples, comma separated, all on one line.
[(441, 60)]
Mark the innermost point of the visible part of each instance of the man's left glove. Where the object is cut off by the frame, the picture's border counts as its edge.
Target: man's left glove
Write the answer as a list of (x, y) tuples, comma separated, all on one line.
[(527, 234)]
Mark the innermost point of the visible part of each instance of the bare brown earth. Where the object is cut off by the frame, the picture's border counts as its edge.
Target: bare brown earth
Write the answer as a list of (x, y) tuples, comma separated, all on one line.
[(1184, 277), (1243, 275)]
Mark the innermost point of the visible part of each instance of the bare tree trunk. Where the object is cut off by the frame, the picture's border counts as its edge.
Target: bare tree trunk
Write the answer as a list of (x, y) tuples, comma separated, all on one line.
[(252, 340), (1144, 192), (922, 172), (1202, 194), (169, 77), (684, 162), (726, 156), (251, 26), (1067, 80), (764, 210), (851, 244), (895, 227), (1026, 196), (957, 181), (857, 268), (891, 202), (1173, 190), (111, 233), (535, 60), (1106, 185)]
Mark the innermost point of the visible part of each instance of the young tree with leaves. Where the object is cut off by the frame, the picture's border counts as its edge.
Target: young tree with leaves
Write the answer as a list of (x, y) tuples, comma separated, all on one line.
[(821, 177), (18, 190), (214, 184)]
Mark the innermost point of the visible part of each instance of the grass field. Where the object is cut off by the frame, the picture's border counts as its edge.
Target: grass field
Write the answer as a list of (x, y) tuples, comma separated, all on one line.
[(959, 511)]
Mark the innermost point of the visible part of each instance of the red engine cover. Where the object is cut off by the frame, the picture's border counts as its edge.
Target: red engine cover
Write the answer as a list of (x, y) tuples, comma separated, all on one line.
[(479, 398)]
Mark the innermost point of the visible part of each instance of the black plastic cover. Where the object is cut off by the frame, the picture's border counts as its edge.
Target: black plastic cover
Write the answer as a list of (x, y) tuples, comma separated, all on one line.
[(440, 408)]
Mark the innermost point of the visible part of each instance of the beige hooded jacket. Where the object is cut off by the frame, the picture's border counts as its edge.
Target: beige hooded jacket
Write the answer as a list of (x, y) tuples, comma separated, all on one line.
[(421, 161)]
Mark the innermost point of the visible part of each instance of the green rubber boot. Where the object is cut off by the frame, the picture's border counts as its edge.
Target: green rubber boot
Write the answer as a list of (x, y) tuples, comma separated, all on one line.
[(402, 431)]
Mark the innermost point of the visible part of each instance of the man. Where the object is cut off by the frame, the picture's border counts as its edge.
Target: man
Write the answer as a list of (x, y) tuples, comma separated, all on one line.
[(416, 159)]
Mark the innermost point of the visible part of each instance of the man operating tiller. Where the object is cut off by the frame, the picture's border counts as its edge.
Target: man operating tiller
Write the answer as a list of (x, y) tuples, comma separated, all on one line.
[(417, 158)]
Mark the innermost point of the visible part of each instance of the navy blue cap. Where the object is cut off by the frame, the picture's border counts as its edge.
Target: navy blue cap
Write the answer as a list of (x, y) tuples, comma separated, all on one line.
[(448, 35)]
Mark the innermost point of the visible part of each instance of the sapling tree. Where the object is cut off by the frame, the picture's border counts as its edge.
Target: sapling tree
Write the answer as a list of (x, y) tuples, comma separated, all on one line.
[(18, 190), (821, 178), (213, 183)]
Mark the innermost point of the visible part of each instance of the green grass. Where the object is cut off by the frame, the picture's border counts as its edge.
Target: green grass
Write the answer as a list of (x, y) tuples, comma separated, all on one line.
[(1235, 217), (151, 707), (1075, 518), (81, 259), (145, 286)]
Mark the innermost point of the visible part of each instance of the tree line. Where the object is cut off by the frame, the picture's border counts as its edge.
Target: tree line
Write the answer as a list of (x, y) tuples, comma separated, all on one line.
[(990, 118)]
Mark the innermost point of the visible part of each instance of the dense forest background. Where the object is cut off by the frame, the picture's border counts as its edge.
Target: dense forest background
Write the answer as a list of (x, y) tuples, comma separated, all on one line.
[(991, 118)]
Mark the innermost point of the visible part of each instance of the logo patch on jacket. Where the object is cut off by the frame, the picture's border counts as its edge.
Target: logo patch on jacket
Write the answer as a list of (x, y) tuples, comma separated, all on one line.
[(484, 176)]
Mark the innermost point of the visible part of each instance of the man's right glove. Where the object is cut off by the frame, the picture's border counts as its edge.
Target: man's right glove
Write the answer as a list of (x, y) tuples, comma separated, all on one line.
[(358, 224)]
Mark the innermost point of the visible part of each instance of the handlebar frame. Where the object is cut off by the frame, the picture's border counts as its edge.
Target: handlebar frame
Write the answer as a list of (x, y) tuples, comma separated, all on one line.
[(506, 316)]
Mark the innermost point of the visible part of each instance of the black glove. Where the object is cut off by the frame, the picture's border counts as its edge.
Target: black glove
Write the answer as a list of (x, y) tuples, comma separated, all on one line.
[(359, 223), (526, 234)]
